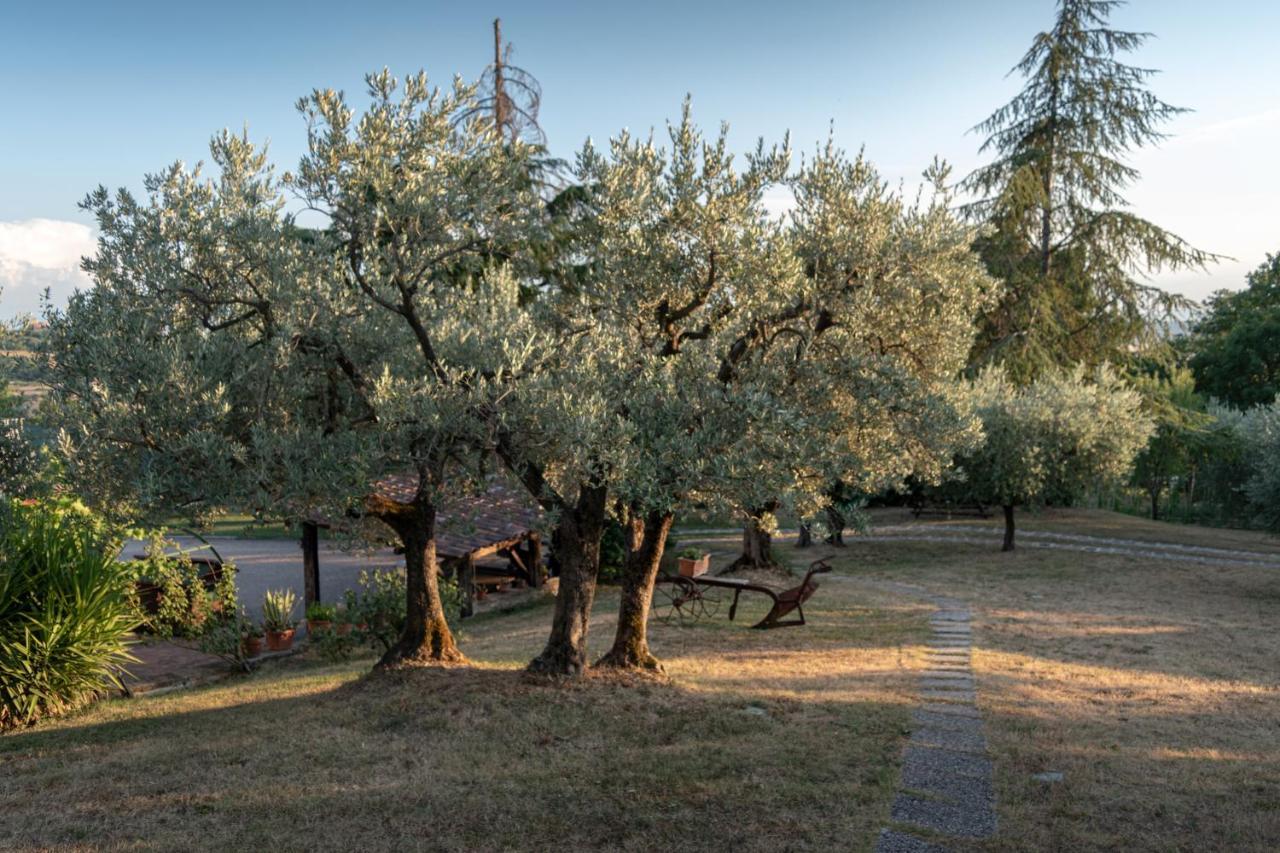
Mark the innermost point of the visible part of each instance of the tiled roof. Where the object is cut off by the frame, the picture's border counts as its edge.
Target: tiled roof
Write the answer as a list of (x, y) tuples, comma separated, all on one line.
[(467, 522)]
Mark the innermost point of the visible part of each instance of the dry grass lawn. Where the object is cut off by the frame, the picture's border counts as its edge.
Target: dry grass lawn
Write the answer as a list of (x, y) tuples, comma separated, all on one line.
[(773, 740), (1151, 684)]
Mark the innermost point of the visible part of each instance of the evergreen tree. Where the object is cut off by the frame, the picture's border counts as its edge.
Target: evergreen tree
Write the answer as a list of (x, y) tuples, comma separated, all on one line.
[(1072, 256), (1236, 344)]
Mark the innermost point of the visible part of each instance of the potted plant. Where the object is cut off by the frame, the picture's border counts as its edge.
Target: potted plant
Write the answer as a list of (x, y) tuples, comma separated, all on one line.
[(320, 617), (250, 638), (694, 562), (277, 618)]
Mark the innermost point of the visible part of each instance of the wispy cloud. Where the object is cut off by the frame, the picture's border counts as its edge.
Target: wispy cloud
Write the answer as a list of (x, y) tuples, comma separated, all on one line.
[(38, 255)]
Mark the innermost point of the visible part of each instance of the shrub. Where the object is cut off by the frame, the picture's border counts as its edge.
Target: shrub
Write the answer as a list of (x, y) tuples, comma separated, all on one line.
[(66, 609), (224, 637), (320, 612), (382, 606), (176, 600)]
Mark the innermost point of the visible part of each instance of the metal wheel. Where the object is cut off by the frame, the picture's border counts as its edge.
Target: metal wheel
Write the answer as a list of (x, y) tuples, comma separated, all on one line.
[(674, 598), (710, 599)]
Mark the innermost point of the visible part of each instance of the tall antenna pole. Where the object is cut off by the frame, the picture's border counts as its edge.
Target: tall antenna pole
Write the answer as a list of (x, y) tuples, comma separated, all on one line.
[(499, 91)]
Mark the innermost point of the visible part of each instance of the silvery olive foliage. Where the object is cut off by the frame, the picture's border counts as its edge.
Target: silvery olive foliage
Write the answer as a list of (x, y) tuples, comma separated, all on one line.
[(230, 358), (749, 356), (650, 338), (1054, 440)]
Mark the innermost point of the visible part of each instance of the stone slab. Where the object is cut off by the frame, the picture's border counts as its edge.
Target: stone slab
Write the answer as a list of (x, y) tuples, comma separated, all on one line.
[(953, 709), (892, 841), (921, 717), (969, 790), (941, 816), (963, 696), (947, 682), (958, 615), (956, 739), (947, 761)]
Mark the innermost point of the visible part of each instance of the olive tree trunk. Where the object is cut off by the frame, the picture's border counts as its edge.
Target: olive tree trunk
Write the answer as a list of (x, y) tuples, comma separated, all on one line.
[(1008, 528), (426, 637), (576, 545), (805, 539), (835, 524), (646, 541), (757, 543)]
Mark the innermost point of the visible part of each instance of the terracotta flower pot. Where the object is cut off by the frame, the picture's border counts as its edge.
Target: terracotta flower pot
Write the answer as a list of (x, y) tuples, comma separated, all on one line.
[(252, 646), (316, 626), (280, 641), (344, 628), (692, 568)]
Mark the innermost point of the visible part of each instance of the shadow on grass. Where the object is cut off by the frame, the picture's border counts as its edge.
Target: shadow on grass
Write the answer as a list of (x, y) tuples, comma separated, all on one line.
[(473, 758)]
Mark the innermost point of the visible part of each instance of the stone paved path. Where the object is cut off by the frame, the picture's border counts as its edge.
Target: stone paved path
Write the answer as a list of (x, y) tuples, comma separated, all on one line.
[(946, 787)]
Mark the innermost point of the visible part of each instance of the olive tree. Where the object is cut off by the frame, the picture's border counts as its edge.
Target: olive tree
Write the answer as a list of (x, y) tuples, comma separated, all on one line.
[(747, 357), (229, 359), (1053, 440)]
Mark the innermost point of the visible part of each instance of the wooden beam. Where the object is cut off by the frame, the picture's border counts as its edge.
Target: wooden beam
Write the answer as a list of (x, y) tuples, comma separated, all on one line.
[(537, 571), (310, 562), (467, 584), (501, 545)]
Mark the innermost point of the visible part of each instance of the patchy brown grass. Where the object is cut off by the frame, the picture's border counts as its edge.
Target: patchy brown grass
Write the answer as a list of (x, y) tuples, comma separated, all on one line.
[(753, 740), (1097, 522), (1152, 685)]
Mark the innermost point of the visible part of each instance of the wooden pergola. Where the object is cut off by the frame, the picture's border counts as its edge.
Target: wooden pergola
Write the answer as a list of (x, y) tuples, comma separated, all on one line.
[(499, 522)]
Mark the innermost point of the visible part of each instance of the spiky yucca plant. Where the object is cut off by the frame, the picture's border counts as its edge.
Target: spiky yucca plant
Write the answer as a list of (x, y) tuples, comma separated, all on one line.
[(66, 609), (277, 609)]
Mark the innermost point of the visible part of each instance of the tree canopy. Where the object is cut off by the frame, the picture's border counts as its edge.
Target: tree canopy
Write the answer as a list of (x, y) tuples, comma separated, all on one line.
[(1060, 237), (1053, 440), (1235, 346)]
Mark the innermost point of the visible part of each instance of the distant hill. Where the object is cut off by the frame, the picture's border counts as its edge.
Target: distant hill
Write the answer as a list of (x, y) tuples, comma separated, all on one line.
[(19, 366)]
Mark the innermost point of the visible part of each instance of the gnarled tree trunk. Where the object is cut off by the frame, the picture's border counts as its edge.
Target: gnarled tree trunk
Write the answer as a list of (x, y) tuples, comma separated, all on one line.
[(646, 541), (805, 539), (836, 524), (1008, 528), (576, 544), (757, 542), (426, 637)]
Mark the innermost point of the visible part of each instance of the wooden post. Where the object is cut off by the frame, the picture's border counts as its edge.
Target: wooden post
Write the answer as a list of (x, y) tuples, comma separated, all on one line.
[(310, 562), (537, 571), (467, 584)]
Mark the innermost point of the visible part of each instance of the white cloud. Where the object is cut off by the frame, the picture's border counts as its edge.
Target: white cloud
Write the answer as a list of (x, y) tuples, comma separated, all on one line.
[(40, 254)]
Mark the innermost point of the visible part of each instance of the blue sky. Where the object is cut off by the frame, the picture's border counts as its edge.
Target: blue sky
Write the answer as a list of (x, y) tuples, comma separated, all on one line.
[(104, 92)]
